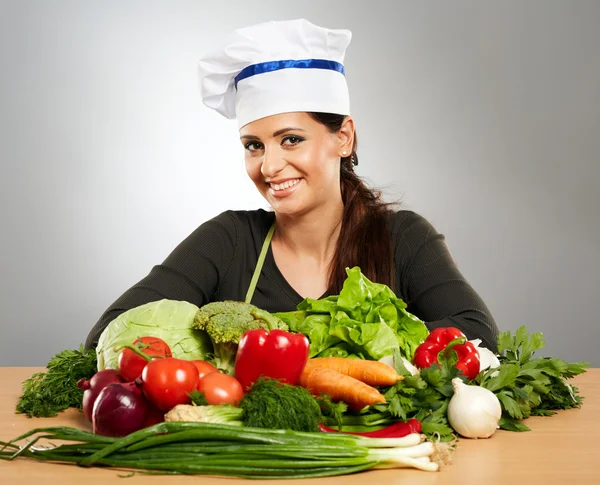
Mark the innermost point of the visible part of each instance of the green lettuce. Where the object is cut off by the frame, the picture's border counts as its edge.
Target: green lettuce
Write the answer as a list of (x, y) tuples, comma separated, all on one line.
[(366, 320), (169, 320)]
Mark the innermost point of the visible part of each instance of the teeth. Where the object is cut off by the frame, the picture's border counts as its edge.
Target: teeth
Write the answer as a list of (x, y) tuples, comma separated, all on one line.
[(285, 185)]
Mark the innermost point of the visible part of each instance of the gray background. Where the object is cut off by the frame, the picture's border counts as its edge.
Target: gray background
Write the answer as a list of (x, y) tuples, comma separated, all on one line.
[(482, 116)]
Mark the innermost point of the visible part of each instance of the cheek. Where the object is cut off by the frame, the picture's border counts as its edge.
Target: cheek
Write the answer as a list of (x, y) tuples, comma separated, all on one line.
[(314, 159), (326, 163), (252, 169), (330, 175)]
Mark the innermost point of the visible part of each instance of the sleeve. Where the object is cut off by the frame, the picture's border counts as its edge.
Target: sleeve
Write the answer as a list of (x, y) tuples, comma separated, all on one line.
[(192, 272), (434, 289)]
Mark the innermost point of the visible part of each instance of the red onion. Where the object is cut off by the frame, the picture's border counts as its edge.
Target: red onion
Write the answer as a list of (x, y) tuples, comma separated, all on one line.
[(120, 409), (93, 386), (153, 416)]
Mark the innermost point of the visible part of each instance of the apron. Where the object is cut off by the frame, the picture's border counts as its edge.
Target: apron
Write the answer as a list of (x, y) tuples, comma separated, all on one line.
[(259, 264)]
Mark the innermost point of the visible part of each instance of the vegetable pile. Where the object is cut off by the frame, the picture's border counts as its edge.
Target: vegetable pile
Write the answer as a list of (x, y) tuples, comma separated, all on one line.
[(346, 383)]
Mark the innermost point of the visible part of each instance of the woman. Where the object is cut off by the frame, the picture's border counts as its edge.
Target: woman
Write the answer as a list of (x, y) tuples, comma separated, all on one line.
[(284, 83)]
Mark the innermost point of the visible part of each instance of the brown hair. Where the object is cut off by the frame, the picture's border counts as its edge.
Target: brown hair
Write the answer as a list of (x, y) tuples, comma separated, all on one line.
[(364, 222)]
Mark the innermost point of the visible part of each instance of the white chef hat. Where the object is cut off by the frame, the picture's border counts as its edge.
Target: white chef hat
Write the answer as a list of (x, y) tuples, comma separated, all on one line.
[(277, 67)]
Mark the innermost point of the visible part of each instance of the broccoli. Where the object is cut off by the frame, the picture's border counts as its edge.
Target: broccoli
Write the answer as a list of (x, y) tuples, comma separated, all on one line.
[(225, 322)]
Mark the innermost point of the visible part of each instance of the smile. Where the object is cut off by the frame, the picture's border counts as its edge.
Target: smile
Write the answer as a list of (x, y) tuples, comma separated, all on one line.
[(285, 185)]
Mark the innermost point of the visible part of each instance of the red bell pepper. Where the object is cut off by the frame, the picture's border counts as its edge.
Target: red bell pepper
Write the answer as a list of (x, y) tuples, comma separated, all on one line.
[(438, 340), (276, 354)]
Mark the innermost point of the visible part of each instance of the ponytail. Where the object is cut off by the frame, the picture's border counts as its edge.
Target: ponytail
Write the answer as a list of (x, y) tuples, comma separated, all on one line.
[(364, 239)]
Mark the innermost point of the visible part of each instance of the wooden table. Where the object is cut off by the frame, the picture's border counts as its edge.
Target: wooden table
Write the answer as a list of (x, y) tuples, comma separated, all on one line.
[(560, 449)]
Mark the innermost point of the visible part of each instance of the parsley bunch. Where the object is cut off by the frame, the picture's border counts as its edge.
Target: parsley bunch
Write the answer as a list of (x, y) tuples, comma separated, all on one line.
[(425, 397), (528, 386), (47, 393)]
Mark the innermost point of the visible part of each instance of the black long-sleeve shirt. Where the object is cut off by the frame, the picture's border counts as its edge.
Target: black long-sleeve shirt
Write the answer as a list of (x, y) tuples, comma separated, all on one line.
[(217, 260)]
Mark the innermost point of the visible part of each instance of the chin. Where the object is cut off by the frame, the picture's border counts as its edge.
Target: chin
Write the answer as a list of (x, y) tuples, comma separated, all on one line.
[(284, 208)]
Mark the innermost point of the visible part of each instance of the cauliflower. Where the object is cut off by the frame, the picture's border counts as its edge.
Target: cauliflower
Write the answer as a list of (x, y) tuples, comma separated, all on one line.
[(222, 414)]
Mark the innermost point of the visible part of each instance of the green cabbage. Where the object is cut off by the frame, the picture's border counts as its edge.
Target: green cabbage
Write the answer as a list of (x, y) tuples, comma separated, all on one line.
[(169, 320)]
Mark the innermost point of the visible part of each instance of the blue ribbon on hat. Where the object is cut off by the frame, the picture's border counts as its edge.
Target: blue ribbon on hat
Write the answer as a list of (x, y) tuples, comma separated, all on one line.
[(271, 66)]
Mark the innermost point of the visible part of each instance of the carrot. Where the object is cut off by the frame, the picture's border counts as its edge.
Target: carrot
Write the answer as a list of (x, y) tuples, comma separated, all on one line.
[(339, 387), (370, 372)]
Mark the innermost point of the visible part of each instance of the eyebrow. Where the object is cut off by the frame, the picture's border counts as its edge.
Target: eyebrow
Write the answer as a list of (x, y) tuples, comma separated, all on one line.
[(276, 133)]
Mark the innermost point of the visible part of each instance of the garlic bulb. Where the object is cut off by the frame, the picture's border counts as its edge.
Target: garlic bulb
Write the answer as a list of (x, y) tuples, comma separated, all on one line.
[(473, 411)]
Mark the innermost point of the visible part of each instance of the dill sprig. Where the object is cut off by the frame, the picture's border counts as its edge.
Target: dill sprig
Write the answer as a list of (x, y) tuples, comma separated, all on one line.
[(45, 394), (273, 405)]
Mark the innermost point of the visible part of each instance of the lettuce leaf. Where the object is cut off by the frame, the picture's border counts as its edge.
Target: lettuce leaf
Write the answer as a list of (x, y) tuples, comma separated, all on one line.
[(366, 320), (169, 320)]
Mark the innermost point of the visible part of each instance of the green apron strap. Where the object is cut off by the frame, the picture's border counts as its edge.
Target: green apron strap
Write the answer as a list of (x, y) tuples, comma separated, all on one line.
[(259, 264)]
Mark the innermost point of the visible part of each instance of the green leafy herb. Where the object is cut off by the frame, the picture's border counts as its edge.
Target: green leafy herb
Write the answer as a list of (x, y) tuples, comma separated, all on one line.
[(198, 398), (510, 424), (273, 405), (45, 394), (528, 386), (335, 411), (425, 397)]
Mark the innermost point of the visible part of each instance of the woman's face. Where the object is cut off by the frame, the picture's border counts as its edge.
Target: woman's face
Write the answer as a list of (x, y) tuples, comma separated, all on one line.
[(294, 161)]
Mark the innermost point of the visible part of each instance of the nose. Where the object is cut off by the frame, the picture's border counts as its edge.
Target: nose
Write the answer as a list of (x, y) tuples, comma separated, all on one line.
[(272, 162)]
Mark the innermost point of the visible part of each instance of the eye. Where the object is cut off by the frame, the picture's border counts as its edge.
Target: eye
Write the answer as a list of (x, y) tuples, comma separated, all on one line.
[(253, 146), (292, 140)]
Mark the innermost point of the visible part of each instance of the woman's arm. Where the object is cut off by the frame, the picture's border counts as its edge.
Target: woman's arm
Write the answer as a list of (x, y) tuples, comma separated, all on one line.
[(192, 272), (433, 287)]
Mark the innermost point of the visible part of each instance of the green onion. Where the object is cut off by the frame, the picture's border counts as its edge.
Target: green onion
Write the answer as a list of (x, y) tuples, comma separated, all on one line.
[(222, 449)]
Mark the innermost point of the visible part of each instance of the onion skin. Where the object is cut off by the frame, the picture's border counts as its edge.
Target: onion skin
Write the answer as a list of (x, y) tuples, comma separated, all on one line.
[(92, 387), (120, 409)]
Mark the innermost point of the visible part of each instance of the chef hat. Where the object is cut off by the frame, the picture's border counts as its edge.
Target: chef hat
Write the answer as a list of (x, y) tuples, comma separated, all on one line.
[(277, 67)]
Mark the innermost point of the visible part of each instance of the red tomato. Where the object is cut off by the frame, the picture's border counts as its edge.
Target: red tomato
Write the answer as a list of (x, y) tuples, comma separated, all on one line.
[(220, 388), (204, 367), (167, 382), (131, 365)]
